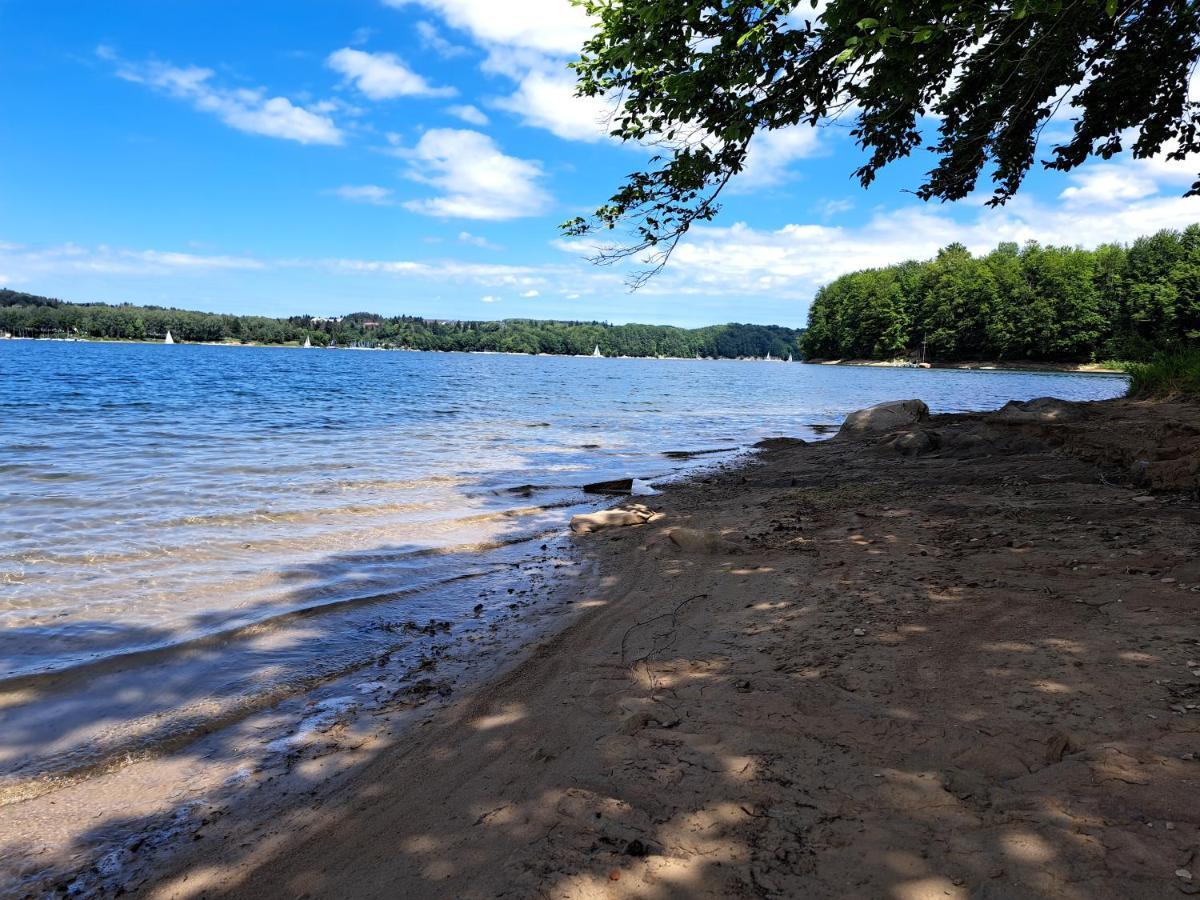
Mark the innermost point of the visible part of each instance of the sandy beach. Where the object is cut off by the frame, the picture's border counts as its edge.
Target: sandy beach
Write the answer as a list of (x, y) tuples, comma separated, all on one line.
[(958, 660)]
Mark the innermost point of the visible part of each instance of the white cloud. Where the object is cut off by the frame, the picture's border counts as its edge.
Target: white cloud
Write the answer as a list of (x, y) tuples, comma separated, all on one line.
[(1110, 184), (246, 109), (547, 26), (432, 39), (24, 263), (489, 298), (771, 154), (531, 293), (371, 194), (382, 76), (483, 274), (472, 115), (476, 179), (476, 241), (530, 43), (831, 208), (545, 98)]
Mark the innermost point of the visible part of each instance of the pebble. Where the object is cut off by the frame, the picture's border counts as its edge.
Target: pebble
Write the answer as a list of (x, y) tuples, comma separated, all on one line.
[(1184, 874), (862, 632)]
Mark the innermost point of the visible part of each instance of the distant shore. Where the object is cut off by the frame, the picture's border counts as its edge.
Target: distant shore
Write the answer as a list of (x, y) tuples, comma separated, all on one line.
[(1021, 365), (973, 365)]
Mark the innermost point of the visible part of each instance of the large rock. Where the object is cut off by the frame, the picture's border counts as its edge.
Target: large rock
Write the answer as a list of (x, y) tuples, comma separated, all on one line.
[(883, 419), (1039, 411)]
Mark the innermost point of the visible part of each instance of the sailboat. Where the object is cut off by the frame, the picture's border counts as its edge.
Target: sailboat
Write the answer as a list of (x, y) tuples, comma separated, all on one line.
[(307, 343), (769, 359), (168, 339), (596, 352), (789, 357)]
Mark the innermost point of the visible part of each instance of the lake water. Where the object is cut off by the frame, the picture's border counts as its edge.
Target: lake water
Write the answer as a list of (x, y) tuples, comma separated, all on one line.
[(187, 530)]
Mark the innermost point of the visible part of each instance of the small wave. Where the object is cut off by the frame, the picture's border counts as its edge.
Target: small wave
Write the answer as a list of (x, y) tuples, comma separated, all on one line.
[(316, 599), (232, 545)]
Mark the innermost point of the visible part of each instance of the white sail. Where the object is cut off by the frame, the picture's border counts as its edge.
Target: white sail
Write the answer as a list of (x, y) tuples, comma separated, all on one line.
[(769, 356), (789, 357), (168, 339), (597, 352), (307, 342)]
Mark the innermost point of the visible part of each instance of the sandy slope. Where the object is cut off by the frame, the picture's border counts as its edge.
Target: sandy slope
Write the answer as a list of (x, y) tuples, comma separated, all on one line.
[(967, 672)]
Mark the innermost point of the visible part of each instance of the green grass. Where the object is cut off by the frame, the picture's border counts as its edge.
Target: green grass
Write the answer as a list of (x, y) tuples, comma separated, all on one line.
[(1175, 374)]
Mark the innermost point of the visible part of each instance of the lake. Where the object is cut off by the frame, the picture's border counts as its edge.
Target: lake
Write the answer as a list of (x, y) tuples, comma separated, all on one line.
[(190, 531)]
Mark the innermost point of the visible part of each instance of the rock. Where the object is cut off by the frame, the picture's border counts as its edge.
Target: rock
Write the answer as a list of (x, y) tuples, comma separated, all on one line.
[(1058, 745), (617, 486), (639, 848), (1181, 474), (1042, 410), (1185, 874), (913, 442), (778, 443), (860, 632), (586, 523), (883, 419), (692, 540), (635, 722), (688, 454)]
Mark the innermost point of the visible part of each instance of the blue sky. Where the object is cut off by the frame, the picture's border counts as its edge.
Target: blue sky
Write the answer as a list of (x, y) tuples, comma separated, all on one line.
[(415, 157)]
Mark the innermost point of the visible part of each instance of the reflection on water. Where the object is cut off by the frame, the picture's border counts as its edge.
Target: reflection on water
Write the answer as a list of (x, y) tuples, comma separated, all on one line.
[(190, 500)]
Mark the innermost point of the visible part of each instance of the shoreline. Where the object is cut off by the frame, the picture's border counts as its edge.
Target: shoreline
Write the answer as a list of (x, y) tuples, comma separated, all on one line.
[(968, 365), (979, 365), (752, 694)]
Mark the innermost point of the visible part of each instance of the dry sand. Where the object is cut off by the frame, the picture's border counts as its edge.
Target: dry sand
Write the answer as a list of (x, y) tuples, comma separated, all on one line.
[(969, 672)]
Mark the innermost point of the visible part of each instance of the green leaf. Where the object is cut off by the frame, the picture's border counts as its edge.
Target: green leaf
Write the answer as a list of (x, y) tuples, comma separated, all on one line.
[(864, 24)]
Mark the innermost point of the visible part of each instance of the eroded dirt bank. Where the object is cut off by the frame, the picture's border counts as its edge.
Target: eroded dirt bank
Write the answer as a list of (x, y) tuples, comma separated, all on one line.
[(962, 662)]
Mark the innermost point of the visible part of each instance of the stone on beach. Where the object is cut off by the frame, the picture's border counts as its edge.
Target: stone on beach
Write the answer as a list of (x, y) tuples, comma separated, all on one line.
[(883, 419), (693, 540), (586, 523), (913, 442), (1040, 410), (616, 486)]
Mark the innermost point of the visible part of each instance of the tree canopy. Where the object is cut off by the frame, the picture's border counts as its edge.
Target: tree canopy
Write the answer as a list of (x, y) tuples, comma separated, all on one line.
[(1033, 302), (973, 82)]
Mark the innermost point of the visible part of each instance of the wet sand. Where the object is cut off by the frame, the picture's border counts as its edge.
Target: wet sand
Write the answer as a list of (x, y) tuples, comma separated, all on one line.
[(965, 665)]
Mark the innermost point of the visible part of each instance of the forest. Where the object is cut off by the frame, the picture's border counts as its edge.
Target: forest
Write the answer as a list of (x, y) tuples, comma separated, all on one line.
[(1033, 302), (28, 315)]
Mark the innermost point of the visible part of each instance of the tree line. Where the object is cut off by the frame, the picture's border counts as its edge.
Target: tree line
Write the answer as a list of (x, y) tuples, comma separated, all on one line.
[(28, 315), (1033, 302)]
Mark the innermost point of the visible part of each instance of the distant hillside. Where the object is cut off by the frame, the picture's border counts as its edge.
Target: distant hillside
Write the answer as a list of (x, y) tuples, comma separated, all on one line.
[(28, 315)]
